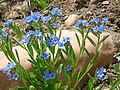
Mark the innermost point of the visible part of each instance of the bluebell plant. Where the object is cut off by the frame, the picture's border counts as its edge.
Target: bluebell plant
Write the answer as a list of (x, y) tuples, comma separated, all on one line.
[(50, 48)]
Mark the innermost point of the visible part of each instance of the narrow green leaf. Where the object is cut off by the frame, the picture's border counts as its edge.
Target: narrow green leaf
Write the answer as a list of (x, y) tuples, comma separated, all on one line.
[(88, 54), (78, 40), (17, 55), (59, 70), (104, 38), (92, 42), (80, 73)]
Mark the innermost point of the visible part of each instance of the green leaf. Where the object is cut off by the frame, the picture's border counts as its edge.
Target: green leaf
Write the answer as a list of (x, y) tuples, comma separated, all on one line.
[(92, 42), (88, 54), (59, 70), (80, 73), (20, 88), (104, 38), (17, 55), (78, 40), (30, 49)]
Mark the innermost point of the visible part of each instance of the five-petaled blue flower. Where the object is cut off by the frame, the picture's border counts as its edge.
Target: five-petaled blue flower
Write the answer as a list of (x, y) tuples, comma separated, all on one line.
[(101, 73), (45, 55), (54, 25), (59, 13), (76, 25), (8, 22), (95, 29), (15, 76), (104, 20), (52, 75), (62, 42), (69, 68), (79, 22), (85, 23), (102, 28), (25, 40), (52, 41), (38, 34), (46, 18), (49, 75), (54, 10)]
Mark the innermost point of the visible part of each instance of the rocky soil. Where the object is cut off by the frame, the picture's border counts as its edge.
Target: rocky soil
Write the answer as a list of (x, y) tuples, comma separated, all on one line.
[(75, 9)]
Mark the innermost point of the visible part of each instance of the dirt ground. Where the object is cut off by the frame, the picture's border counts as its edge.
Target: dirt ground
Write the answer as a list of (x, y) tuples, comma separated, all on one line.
[(84, 9)]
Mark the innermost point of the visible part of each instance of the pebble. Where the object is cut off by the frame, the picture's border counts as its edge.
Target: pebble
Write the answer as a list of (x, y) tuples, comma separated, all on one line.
[(105, 2), (71, 20)]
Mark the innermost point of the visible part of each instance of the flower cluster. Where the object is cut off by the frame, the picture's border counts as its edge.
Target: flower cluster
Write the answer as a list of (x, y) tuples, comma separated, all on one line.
[(8, 22), (4, 33), (63, 42), (32, 18), (97, 28), (52, 41), (69, 68), (55, 11), (9, 71), (36, 33), (45, 55), (101, 73), (49, 75)]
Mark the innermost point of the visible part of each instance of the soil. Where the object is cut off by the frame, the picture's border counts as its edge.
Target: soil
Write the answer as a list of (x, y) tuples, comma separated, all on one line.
[(84, 9)]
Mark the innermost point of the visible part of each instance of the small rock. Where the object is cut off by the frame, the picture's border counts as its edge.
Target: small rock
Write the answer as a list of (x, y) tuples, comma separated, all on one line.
[(105, 2), (71, 20), (13, 15), (46, 12)]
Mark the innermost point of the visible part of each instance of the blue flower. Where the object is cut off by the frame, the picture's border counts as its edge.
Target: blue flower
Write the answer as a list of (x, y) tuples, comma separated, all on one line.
[(15, 76), (35, 16), (102, 28), (104, 20), (97, 20), (92, 20), (27, 20), (4, 33), (25, 40), (38, 34), (76, 25), (85, 23), (47, 75), (12, 65), (9, 75), (54, 10), (48, 41), (59, 13), (95, 29), (6, 69), (0, 37), (46, 18), (45, 55), (52, 36), (52, 75), (100, 73), (69, 68), (52, 41), (54, 25), (61, 45), (8, 22), (79, 22)]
